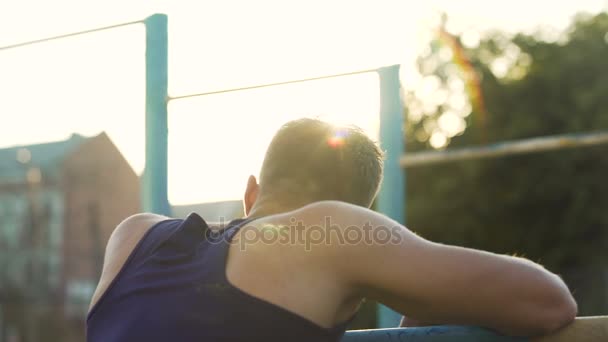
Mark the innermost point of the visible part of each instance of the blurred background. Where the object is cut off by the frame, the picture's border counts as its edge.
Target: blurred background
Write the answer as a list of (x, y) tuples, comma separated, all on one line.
[(472, 72)]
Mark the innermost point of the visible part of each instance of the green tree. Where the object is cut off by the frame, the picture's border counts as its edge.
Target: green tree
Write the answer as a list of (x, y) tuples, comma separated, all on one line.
[(550, 207)]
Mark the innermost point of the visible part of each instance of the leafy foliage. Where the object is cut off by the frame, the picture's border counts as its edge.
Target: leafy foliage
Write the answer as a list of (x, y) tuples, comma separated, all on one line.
[(551, 207)]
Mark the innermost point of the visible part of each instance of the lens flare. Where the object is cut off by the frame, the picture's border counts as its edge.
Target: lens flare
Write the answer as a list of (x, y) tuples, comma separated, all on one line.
[(338, 139), (472, 80)]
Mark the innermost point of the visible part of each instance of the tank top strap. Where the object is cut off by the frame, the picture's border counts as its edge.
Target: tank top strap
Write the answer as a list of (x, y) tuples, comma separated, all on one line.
[(234, 226), (173, 234), (189, 234), (152, 239)]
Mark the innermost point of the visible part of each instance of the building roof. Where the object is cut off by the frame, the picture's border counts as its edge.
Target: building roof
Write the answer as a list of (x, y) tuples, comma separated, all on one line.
[(14, 161)]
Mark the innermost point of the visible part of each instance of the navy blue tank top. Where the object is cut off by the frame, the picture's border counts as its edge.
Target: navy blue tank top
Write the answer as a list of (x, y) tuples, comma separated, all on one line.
[(173, 287)]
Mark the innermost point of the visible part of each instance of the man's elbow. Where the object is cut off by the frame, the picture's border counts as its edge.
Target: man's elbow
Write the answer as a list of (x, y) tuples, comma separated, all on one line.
[(553, 309), (560, 313), (540, 320), (545, 305)]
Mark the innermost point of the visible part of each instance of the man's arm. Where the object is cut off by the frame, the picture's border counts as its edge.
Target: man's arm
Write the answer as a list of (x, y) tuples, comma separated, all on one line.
[(444, 284), (120, 245)]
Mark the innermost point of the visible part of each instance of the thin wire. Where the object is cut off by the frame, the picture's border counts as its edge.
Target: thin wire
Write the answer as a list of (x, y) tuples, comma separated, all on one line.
[(42, 40), (270, 84)]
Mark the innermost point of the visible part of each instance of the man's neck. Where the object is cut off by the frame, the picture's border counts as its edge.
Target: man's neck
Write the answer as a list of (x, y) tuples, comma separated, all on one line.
[(266, 207)]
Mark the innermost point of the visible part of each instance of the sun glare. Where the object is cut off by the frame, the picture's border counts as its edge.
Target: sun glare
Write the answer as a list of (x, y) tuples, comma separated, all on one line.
[(96, 82), (217, 141)]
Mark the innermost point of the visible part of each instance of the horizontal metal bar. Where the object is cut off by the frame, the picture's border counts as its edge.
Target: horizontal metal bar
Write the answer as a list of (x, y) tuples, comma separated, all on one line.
[(583, 329), (442, 333), (270, 84), (505, 148), (42, 40)]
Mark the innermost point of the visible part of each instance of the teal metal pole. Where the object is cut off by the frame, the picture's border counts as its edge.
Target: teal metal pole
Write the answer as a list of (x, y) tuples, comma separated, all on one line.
[(155, 197), (391, 199)]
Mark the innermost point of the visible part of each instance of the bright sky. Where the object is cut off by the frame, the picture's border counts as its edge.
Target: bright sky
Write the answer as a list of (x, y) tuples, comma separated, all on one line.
[(95, 82)]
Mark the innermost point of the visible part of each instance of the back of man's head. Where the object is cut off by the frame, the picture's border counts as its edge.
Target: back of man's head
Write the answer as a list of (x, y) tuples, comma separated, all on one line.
[(310, 160)]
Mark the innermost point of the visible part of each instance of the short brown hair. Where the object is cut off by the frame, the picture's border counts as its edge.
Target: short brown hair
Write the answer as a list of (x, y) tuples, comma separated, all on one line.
[(310, 160)]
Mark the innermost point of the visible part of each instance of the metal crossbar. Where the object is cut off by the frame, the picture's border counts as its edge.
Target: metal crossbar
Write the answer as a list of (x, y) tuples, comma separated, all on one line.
[(583, 329), (179, 97), (443, 333), (539, 144)]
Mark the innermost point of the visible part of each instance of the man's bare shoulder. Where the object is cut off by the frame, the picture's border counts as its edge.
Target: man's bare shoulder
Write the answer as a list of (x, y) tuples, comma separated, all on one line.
[(120, 245), (134, 226)]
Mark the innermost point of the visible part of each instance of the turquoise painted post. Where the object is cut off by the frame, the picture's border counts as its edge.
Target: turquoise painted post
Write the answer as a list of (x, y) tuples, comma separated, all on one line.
[(155, 198), (391, 199)]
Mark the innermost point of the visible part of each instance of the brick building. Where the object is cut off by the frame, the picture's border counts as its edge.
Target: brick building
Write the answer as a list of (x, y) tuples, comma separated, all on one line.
[(59, 203)]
